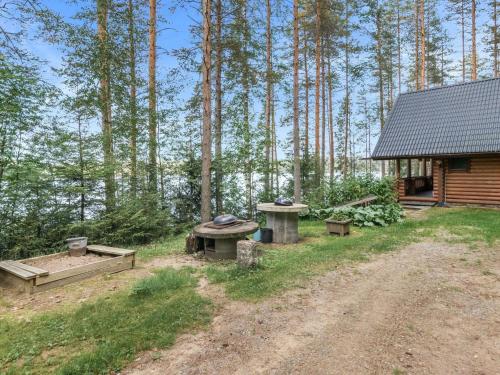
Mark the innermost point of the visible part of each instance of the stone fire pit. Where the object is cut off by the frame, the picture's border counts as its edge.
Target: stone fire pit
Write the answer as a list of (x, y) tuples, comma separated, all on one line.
[(283, 220), (220, 243)]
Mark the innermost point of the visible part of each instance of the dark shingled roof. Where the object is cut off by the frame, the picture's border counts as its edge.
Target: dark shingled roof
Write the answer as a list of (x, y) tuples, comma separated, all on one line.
[(448, 120)]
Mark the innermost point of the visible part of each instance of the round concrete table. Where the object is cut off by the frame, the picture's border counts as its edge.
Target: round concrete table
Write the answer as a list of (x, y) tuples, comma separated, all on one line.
[(220, 243), (283, 220)]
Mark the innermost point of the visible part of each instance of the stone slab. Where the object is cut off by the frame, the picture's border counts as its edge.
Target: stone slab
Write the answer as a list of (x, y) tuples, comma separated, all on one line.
[(271, 207)]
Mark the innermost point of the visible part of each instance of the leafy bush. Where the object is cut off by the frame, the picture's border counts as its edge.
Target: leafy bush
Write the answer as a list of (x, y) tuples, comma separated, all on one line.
[(350, 189), (339, 215), (379, 214)]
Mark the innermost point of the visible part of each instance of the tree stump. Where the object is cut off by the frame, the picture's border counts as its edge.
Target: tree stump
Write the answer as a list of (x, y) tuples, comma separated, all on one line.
[(247, 254), (191, 244)]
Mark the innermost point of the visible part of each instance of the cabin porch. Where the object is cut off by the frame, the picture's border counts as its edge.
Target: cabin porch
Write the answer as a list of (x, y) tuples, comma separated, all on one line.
[(418, 183)]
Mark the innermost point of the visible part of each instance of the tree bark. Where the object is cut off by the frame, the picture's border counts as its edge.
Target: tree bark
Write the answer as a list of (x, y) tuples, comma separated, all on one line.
[(474, 48), (306, 104), (323, 111), (81, 163), (246, 110), (152, 143), (380, 75), (133, 101), (330, 121), (496, 69), (347, 104), (268, 98), (463, 39), (317, 87), (105, 104), (218, 108), (207, 129), (422, 45), (417, 46), (399, 46), (296, 134)]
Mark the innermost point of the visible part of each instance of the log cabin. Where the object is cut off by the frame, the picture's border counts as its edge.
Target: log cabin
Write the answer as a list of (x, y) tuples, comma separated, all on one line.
[(445, 142)]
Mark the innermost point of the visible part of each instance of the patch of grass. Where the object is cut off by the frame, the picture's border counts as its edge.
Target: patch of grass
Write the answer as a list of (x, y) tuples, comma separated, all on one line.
[(289, 266), (167, 246), (101, 337)]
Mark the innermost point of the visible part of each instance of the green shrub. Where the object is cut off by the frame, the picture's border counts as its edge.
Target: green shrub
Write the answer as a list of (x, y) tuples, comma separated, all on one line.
[(379, 214), (351, 189)]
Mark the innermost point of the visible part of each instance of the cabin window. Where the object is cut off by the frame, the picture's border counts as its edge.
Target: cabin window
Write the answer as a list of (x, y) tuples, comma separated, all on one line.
[(459, 165)]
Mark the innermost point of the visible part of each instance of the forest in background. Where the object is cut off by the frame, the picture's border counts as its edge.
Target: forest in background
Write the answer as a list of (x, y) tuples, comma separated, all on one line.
[(268, 98)]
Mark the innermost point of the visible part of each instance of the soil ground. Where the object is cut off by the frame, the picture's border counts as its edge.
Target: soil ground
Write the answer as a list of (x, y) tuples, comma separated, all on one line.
[(59, 263), (430, 308), (22, 306)]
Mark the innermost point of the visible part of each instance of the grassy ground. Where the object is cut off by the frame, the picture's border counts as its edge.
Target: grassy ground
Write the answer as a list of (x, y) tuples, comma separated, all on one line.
[(102, 336), (289, 266)]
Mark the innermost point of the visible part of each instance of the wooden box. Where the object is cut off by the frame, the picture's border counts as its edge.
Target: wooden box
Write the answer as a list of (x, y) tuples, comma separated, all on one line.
[(338, 227), (26, 277)]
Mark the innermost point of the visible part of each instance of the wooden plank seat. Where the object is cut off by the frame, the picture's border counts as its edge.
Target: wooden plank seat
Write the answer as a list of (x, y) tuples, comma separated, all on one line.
[(109, 250), (360, 202), (24, 271)]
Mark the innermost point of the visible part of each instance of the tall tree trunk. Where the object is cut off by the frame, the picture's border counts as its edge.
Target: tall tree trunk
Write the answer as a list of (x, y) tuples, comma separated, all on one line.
[(380, 75), (306, 106), (206, 150), (422, 45), (296, 134), (105, 104), (81, 163), (268, 97), (218, 108), (346, 108), (275, 147), (417, 45), (246, 109), (317, 86), (463, 38), (496, 68), (474, 48), (323, 111), (330, 121), (133, 101), (399, 46), (152, 143)]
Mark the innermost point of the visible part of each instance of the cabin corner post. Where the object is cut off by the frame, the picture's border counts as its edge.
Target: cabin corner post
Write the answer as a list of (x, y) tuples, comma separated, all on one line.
[(398, 178), (440, 182)]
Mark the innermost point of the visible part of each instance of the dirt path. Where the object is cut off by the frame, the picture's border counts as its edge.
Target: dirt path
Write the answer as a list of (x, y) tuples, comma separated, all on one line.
[(430, 308)]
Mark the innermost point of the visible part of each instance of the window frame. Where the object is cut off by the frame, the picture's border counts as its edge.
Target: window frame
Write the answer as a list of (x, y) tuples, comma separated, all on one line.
[(459, 170)]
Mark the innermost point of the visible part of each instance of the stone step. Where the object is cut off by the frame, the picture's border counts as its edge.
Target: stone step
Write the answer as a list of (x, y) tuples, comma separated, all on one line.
[(418, 203)]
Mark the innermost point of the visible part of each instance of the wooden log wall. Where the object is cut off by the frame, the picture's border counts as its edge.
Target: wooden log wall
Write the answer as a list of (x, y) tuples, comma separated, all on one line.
[(479, 185)]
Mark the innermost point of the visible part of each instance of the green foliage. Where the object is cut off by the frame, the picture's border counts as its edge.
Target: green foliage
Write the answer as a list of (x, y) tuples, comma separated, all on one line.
[(350, 189), (101, 337), (130, 223), (377, 214), (340, 215)]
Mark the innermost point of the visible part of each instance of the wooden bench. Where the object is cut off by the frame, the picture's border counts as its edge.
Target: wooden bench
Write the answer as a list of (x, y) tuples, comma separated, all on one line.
[(361, 202)]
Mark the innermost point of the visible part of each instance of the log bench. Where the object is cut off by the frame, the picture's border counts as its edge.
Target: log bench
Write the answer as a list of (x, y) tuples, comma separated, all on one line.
[(360, 202)]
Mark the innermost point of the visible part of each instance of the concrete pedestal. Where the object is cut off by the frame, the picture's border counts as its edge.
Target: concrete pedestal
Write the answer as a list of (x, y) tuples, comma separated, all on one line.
[(283, 220), (221, 243)]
